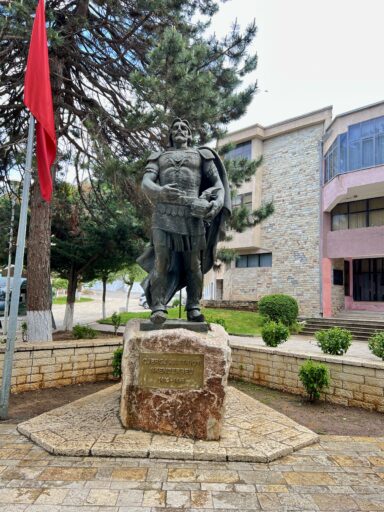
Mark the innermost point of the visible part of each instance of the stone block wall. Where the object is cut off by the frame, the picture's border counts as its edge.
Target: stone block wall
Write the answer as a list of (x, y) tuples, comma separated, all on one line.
[(337, 291), (46, 365), (352, 383), (247, 284), (291, 167), (238, 305)]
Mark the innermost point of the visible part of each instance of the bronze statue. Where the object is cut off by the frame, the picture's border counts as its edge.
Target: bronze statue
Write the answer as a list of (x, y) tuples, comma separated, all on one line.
[(189, 189)]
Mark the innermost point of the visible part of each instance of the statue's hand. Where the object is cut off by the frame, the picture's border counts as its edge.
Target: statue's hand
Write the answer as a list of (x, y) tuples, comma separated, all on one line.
[(216, 206), (170, 192)]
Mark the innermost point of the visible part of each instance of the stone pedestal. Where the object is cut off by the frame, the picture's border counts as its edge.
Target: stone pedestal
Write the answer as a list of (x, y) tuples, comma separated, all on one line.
[(174, 381)]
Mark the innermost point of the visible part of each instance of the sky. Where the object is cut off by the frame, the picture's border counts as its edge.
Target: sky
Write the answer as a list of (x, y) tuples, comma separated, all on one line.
[(311, 54)]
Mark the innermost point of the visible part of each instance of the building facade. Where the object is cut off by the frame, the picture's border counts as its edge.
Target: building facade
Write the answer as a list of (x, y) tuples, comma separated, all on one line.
[(324, 243)]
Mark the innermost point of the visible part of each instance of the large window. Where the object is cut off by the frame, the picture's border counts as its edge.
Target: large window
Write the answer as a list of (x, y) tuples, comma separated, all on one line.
[(243, 200), (242, 150), (358, 214), (254, 260), (360, 147), (368, 280)]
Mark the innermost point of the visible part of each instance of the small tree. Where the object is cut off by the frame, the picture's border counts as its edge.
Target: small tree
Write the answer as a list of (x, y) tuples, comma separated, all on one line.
[(131, 275), (315, 377)]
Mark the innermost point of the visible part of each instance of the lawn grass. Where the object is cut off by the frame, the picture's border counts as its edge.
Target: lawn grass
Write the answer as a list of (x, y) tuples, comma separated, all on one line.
[(63, 300), (237, 322)]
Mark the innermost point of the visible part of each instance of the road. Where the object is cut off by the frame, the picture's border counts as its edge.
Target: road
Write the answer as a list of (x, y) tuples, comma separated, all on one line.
[(87, 312)]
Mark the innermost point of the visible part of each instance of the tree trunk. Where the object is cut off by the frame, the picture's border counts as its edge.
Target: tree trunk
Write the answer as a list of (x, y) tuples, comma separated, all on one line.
[(71, 298), (104, 279), (128, 295), (39, 294)]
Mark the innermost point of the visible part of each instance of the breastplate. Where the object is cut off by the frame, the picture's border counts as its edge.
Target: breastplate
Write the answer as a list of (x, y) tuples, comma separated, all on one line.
[(182, 167)]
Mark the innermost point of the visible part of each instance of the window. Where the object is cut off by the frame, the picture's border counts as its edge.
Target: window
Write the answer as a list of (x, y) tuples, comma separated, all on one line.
[(242, 150), (243, 200), (358, 214), (254, 260), (368, 280), (360, 147)]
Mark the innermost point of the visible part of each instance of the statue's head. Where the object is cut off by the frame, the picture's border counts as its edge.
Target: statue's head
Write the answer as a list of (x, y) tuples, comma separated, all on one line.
[(179, 131)]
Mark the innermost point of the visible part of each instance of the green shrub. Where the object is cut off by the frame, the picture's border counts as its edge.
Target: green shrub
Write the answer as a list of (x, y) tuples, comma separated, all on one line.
[(219, 321), (116, 321), (314, 377), (296, 327), (83, 332), (274, 333), (116, 362), (175, 303), (335, 341), (376, 344), (279, 308)]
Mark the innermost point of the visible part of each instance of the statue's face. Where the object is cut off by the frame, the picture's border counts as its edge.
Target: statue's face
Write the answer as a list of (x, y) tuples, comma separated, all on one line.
[(180, 132)]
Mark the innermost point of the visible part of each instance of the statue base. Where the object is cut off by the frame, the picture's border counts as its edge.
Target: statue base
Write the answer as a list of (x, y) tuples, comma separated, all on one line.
[(174, 380), (147, 325)]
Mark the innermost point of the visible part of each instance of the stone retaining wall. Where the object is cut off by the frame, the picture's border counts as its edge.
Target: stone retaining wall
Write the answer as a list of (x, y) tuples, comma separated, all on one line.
[(44, 365), (352, 383), (239, 305)]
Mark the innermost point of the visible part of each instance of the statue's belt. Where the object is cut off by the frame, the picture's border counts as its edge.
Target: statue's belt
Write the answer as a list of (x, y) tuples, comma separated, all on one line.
[(179, 210)]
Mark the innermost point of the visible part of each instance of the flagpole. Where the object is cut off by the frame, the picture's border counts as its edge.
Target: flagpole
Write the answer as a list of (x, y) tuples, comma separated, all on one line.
[(16, 283), (8, 286)]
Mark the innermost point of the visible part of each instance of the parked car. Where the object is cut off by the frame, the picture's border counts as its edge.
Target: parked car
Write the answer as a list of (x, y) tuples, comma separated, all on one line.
[(23, 295), (143, 301)]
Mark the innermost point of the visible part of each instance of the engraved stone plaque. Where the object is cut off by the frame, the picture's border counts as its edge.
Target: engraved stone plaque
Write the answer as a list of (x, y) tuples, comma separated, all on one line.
[(171, 370)]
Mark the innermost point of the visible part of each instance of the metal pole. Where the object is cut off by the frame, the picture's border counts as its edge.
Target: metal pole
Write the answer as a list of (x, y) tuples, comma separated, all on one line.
[(8, 287), (180, 297), (11, 337)]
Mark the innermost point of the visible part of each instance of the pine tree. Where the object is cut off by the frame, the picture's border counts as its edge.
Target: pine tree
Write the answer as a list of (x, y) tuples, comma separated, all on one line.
[(120, 71)]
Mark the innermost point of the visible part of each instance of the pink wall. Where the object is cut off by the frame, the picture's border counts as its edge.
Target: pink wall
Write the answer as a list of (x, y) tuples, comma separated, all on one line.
[(354, 243), (364, 181), (326, 268)]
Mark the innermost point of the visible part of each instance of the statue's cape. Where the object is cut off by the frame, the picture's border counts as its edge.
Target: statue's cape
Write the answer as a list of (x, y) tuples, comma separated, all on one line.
[(214, 232)]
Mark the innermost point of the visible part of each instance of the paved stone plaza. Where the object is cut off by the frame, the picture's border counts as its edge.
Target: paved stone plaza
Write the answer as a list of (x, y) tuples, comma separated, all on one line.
[(339, 474)]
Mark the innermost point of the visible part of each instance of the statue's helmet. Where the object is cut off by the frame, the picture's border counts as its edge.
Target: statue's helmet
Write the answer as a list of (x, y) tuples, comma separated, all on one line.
[(186, 123)]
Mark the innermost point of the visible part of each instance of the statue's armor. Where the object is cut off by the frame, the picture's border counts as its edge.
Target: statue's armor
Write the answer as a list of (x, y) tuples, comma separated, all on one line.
[(184, 168)]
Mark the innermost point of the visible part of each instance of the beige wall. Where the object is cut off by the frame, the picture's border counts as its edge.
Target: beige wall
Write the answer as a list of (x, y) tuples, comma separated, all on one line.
[(48, 365), (351, 384)]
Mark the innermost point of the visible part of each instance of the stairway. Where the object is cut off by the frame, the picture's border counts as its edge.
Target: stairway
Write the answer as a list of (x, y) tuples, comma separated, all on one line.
[(361, 324)]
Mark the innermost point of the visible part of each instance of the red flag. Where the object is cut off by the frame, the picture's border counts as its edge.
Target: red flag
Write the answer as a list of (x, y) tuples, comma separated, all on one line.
[(38, 99)]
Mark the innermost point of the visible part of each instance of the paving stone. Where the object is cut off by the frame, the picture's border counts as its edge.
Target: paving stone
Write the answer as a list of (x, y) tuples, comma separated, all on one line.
[(201, 499), (52, 497), (178, 499), (335, 502), (154, 498), (235, 500), (102, 497), (306, 478), (130, 498)]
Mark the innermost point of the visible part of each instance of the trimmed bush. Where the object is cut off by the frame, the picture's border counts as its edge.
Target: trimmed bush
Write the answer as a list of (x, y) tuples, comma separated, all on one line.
[(274, 333), (314, 377), (81, 332), (116, 322), (376, 344), (116, 362), (335, 341), (279, 307)]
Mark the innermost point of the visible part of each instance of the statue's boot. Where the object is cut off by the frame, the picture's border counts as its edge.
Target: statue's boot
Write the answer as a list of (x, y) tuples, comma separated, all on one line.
[(195, 315), (158, 317)]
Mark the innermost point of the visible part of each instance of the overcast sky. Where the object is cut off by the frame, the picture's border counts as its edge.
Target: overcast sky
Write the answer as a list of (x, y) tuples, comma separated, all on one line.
[(311, 54)]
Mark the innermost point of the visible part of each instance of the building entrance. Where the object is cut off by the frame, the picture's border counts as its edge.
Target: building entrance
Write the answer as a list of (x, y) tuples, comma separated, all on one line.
[(368, 280)]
